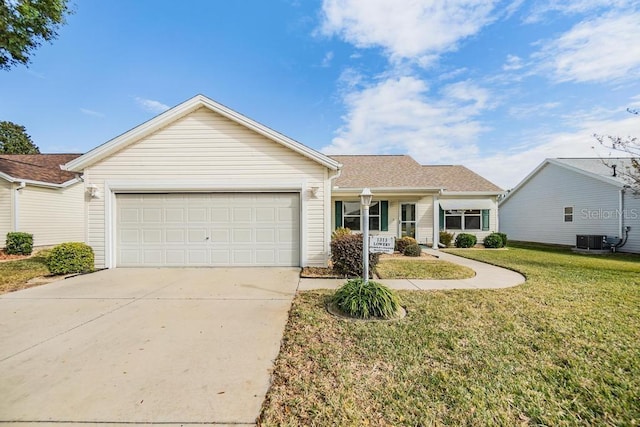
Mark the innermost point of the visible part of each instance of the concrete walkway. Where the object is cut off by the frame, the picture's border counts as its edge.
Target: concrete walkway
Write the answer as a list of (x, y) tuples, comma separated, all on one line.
[(487, 277)]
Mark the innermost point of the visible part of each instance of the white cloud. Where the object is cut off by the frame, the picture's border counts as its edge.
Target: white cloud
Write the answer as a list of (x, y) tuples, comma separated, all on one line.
[(513, 63), (406, 29), (151, 105), (91, 112), (326, 61), (398, 115), (573, 7), (597, 50), (507, 168)]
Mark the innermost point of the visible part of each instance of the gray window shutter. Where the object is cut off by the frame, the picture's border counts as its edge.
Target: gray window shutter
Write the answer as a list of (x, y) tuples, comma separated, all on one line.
[(485, 219), (338, 214), (441, 219)]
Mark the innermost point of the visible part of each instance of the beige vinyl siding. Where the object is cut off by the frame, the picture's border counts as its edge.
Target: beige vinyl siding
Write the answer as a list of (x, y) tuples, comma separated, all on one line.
[(6, 210), (52, 215), (209, 150), (535, 213)]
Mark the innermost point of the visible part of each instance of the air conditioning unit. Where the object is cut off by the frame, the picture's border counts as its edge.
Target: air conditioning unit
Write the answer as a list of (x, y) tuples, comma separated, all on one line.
[(592, 241)]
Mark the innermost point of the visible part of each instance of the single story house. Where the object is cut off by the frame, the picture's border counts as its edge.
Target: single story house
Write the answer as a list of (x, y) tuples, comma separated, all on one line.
[(38, 197), (414, 200), (202, 185), (568, 197)]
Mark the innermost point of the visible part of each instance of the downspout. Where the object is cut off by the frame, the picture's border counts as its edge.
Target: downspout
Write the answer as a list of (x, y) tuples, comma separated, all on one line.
[(327, 208), (624, 231)]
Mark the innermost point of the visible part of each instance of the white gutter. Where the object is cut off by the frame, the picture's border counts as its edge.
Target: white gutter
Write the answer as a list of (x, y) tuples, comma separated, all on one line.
[(40, 183), (386, 189)]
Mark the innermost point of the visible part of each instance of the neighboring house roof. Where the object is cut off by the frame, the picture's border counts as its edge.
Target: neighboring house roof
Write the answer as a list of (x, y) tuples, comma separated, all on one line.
[(181, 110), (593, 167), (37, 168), (402, 171)]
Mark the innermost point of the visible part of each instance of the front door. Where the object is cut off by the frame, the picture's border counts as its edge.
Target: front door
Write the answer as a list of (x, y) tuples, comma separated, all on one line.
[(408, 220)]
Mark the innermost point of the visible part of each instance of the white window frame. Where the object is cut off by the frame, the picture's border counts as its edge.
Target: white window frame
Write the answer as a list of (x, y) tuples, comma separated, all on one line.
[(359, 216), (568, 217), (462, 213)]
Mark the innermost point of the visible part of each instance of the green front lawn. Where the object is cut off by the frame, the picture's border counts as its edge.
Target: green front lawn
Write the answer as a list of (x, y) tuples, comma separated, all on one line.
[(401, 268), (15, 274), (562, 349)]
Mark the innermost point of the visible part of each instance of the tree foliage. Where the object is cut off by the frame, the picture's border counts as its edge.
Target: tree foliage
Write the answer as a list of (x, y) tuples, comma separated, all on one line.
[(15, 140), (25, 24), (630, 146)]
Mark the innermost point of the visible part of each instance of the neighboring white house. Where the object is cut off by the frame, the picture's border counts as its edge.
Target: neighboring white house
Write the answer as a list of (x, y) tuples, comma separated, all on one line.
[(566, 197), (202, 185), (37, 197)]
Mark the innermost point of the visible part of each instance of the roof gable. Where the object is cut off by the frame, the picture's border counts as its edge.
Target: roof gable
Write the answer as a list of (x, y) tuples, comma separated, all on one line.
[(181, 110), (38, 168), (403, 172), (591, 167)]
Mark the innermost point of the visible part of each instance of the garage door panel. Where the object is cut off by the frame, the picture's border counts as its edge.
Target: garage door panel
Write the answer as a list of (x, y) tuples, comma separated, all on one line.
[(152, 236), (174, 215), (175, 236), (129, 236), (152, 215), (241, 215), (266, 235), (220, 236), (220, 215), (175, 257), (197, 229)]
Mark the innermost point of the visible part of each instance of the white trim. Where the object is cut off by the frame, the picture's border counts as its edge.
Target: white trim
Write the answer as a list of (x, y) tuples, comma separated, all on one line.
[(181, 110), (202, 186), (303, 224), (39, 183), (375, 190)]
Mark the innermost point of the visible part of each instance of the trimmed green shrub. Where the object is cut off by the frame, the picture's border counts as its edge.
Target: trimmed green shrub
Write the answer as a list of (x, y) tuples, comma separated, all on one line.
[(412, 250), (71, 257), (493, 240), (446, 238), (366, 300), (465, 240), (346, 256), (403, 242), (19, 243), (340, 231), (503, 236)]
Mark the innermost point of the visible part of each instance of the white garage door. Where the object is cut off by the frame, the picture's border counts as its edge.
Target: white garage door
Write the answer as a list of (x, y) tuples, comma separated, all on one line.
[(219, 229)]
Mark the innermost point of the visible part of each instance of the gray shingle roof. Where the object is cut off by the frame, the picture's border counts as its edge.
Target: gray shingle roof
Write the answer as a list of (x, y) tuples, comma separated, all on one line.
[(37, 167), (402, 171), (599, 166)]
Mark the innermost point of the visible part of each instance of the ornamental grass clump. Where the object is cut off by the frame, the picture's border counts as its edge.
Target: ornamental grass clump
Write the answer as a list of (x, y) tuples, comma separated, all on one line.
[(366, 300)]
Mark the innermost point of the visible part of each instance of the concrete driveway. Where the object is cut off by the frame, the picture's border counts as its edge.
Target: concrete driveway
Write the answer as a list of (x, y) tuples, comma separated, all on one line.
[(166, 346)]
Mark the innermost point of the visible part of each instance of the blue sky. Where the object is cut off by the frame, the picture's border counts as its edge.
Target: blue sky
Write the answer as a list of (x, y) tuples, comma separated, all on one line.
[(494, 85)]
